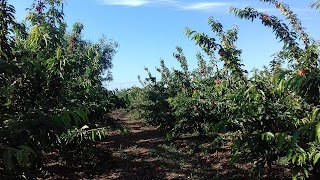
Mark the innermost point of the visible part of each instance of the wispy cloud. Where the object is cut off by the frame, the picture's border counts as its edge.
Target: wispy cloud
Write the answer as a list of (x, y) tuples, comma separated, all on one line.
[(268, 10), (125, 2), (277, 11), (134, 2), (178, 4), (203, 6)]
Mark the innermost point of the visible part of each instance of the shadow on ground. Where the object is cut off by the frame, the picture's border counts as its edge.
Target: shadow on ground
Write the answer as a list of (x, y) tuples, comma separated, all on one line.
[(143, 154)]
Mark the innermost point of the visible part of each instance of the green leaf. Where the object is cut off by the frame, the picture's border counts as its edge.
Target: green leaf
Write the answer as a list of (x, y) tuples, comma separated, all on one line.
[(75, 117), (317, 133), (294, 139), (315, 114), (295, 176), (289, 154), (66, 120), (281, 86), (19, 156), (92, 134), (105, 130), (57, 123), (280, 76), (281, 139), (249, 90), (7, 160), (301, 150), (316, 158), (90, 53), (27, 149), (82, 115), (267, 136), (25, 158), (235, 159), (195, 94), (294, 157), (306, 172), (311, 135), (263, 94)]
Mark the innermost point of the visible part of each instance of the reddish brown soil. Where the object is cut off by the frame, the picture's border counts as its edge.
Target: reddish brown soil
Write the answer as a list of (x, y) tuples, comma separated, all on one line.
[(143, 153)]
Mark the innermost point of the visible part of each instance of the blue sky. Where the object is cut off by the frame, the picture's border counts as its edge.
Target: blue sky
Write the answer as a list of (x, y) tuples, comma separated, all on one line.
[(148, 30)]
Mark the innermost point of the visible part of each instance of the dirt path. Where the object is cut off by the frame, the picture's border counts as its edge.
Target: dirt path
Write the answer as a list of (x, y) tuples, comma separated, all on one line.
[(133, 151), (143, 154)]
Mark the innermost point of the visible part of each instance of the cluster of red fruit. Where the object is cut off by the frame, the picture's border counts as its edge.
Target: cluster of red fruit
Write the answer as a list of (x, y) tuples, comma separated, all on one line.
[(303, 72), (203, 72), (72, 42), (278, 4), (207, 43), (221, 52), (40, 6), (264, 18)]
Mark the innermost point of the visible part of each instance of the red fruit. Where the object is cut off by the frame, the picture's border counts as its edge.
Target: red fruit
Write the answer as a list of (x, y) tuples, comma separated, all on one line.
[(40, 6), (302, 72), (221, 52), (264, 17), (71, 45)]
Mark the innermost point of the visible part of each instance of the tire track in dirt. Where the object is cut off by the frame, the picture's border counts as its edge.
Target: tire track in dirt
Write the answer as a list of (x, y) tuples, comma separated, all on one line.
[(139, 155), (143, 154), (132, 152)]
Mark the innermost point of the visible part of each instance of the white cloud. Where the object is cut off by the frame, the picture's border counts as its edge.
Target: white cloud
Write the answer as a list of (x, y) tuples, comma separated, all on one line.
[(178, 4), (268, 10), (134, 2), (277, 11), (204, 6), (125, 2)]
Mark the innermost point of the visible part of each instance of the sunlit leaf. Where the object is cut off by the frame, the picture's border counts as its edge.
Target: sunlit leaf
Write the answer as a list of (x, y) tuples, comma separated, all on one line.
[(316, 158)]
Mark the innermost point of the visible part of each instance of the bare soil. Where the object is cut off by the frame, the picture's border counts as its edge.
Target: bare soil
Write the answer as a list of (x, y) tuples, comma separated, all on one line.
[(143, 153)]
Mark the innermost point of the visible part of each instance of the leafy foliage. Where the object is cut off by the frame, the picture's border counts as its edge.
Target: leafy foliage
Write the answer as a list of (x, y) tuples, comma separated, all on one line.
[(50, 85), (267, 114), (316, 5)]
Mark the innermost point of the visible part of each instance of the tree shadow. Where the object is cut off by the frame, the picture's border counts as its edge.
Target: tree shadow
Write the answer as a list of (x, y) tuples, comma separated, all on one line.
[(133, 153), (143, 153)]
